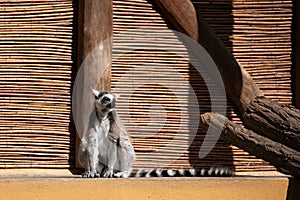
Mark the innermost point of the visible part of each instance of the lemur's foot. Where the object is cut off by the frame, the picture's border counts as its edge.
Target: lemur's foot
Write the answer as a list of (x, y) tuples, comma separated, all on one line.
[(89, 174), (108, 174)]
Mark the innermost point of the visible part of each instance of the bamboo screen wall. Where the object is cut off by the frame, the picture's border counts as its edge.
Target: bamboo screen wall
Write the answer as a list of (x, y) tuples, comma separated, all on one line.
[(37, 54), (36, 59), (259, 35)]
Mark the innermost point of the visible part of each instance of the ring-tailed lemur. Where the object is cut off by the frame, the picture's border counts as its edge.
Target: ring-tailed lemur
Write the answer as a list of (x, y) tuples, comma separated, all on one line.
[(106, 147), (106, 150)]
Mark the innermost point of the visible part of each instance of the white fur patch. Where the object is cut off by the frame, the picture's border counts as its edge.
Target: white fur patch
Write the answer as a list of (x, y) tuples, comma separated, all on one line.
[(181, 172), (193, 172), (170, 172), (202, 172)]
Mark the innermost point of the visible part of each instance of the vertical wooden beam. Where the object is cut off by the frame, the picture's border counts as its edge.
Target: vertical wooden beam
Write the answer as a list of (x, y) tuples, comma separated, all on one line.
[(95, 23), (95, 27), (296, 52)]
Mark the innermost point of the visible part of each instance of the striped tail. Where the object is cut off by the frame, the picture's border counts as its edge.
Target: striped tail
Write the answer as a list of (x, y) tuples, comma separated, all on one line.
[(211, 172)]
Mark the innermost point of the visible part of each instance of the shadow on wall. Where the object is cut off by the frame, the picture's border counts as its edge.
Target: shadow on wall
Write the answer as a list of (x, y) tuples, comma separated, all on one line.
[(75, 67), (219, 17)]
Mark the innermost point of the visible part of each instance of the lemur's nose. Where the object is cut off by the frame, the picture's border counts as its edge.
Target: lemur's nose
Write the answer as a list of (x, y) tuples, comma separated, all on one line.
[(105, 100), (108, 105)]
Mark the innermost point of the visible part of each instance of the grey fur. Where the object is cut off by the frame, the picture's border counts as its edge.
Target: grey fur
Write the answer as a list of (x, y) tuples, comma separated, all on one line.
[(106, 149)]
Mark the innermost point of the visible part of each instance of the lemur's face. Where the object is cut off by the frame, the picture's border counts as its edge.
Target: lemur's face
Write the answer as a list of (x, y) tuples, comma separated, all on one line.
[(104, 100)]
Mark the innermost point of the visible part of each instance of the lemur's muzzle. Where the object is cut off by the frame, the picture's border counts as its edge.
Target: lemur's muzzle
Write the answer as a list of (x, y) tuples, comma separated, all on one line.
[(105, 101)]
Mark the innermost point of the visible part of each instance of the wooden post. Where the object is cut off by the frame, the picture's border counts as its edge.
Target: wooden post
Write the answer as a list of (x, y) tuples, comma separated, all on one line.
[(95, 27), (279, 155), (95, 23)]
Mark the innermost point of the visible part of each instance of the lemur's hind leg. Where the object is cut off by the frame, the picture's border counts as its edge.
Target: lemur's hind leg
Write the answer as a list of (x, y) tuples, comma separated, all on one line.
[(126, 156)]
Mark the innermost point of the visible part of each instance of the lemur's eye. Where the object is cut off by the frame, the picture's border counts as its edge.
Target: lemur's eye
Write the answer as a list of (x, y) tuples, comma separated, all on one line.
[(97, 97)]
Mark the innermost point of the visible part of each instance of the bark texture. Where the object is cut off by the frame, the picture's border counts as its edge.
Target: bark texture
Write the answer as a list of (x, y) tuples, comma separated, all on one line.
[(280, 123), (277, 154)]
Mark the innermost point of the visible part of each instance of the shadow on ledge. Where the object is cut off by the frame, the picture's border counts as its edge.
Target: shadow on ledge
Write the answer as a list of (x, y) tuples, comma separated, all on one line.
[(293, 192)]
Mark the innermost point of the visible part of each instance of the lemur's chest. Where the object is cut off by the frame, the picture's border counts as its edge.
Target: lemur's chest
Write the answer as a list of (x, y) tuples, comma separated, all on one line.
[(102, 129), (104, 144)]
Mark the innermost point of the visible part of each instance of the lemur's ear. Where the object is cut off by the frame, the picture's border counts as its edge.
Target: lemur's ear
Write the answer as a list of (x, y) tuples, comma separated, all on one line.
[(96, 93)]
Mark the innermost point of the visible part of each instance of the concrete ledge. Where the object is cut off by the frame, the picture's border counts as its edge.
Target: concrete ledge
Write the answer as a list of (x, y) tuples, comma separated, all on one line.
[(74, 187)]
